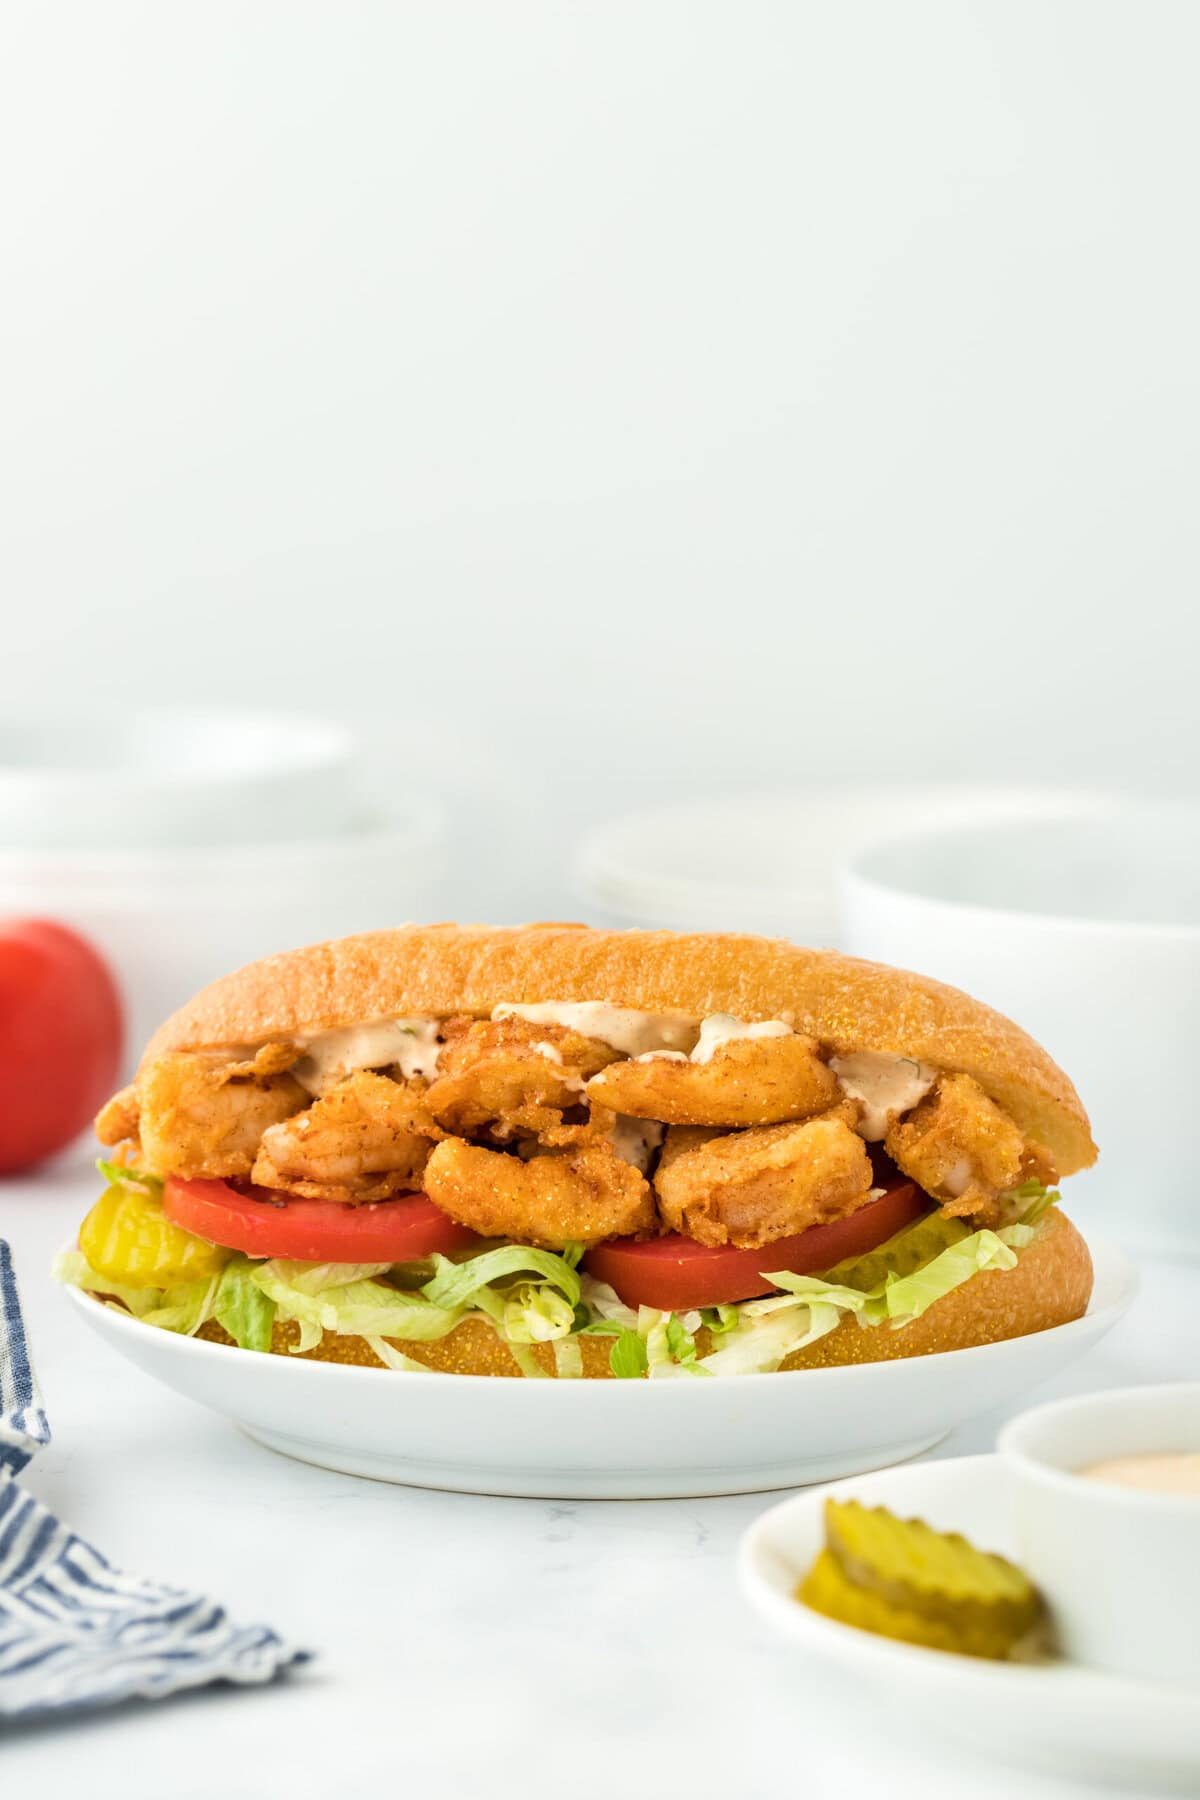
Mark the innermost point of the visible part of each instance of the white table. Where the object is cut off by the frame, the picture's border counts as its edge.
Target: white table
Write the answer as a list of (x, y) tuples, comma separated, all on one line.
[(466, 1646)]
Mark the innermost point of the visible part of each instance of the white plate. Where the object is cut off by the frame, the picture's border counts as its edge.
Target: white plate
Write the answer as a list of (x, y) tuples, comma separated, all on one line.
[(610, 1439), (1059, 1716)]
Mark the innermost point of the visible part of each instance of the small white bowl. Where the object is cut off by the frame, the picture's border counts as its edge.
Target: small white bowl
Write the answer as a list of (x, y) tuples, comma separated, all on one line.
[(1085, 928), (768, 861), (1119, 1566), (902, 1706), (158, 777)]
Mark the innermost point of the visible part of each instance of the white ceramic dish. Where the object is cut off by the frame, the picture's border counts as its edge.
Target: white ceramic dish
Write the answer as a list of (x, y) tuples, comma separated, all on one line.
[(1084, 928), (1144, 1621), (1062, 1717), (769, 861), (610, 1439), (153, 777)]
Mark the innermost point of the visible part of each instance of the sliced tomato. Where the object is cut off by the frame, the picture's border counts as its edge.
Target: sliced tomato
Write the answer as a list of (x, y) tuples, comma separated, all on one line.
[(674, 1273), (264, 1223)]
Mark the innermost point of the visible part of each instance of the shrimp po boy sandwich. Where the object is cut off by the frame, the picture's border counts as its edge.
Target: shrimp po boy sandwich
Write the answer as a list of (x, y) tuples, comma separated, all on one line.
[(553, 1151)]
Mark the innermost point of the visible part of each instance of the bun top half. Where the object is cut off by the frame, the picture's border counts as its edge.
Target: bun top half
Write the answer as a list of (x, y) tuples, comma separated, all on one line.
[(440, 969)]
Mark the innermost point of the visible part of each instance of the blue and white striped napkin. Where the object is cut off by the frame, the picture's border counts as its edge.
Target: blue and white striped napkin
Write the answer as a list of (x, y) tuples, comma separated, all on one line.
[(75, 1632)]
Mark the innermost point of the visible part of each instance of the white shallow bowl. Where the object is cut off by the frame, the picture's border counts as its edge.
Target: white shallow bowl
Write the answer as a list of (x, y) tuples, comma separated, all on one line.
[(172, 776), (1079, 1722), (609, 1439), (768, 861), (1084, 928)]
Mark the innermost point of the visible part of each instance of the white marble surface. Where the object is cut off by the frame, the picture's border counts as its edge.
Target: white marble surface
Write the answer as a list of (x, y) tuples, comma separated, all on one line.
[(464, 1645)]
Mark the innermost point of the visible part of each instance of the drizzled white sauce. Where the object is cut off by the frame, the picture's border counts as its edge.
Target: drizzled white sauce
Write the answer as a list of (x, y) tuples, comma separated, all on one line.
[(329, 1056), (723, 1028), (622, 1028), (716, 1030), (884, 1084)]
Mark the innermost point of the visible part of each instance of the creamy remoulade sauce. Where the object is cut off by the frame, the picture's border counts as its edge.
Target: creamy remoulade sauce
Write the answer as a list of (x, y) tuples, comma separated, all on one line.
[(884, 1084), (411, 1045), (1168, 1472), (620, 1027), (718, 1029)]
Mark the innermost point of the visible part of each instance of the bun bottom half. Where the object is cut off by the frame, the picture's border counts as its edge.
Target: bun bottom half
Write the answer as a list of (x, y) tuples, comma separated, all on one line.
[(1050, 1285)]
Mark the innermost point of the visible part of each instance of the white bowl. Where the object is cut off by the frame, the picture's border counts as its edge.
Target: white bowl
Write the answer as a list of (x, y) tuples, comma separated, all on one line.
[(1086, 1725), (769, 861), (156, 777), (170, 921), (1084, 928), (1120, 1567), (609, 1439)]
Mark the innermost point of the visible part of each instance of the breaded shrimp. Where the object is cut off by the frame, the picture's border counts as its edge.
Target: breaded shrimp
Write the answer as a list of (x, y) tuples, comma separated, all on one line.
[(511, 1078), (117, 1120), (199, 1114), (964, 1150), (554, 1198), (746, 1081), (750, 1187), (368, 1137)]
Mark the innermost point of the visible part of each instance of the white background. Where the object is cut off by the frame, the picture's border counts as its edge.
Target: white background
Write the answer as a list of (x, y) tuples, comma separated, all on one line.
[(611, 399)]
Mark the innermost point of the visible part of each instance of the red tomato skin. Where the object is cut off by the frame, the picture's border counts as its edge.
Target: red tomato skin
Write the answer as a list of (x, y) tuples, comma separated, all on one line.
[(61, 1034), (264, 1223), (674, 1273)]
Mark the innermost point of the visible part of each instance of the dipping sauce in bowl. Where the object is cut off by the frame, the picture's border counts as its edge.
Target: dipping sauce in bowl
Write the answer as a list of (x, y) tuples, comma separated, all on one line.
[(1175, 1473), (1106, 1512)]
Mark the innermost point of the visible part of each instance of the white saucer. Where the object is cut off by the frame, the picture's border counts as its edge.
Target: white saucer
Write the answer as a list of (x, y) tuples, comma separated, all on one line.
[(597, 1440), (1060, 1716)]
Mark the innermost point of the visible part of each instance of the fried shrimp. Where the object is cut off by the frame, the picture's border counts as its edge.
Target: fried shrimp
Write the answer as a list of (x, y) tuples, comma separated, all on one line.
[(555, 1198), (745, 1081), (118, 1119), (367, 1138), (750, 1187), (512, 1078), (963, 1150), (199, 1114)]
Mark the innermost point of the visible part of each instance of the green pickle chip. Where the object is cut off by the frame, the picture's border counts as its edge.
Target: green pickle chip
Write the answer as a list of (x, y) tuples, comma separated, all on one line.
[(903, 1580), (902, 1254)]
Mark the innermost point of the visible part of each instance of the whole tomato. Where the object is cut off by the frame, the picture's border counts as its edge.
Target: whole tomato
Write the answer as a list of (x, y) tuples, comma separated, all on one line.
[(61, 1030)]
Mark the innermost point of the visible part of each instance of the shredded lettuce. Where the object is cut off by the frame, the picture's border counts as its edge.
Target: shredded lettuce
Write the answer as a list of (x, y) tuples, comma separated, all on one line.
[(121, 1175), (316, 1278), (629, 1358), (357, 1309), (242, 1308), (458, 1284), (568, 1359), (535, 1313), (531, 1296), (609, 1313)]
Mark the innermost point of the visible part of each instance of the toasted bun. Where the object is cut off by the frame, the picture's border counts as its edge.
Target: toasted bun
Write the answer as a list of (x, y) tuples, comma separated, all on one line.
[(441, 969), (1051, 1284)]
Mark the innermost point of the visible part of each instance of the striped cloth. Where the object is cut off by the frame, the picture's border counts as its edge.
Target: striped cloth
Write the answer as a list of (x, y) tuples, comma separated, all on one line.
[(75, 1632)]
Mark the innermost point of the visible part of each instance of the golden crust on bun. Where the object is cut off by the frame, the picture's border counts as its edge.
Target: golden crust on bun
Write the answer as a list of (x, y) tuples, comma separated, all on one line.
[(439, 970)]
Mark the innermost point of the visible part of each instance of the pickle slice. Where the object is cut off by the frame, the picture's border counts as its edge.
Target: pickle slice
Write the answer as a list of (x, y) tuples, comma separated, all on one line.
[(129, 1238), (828, 1590), (936, 1575), (901, 1255)]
